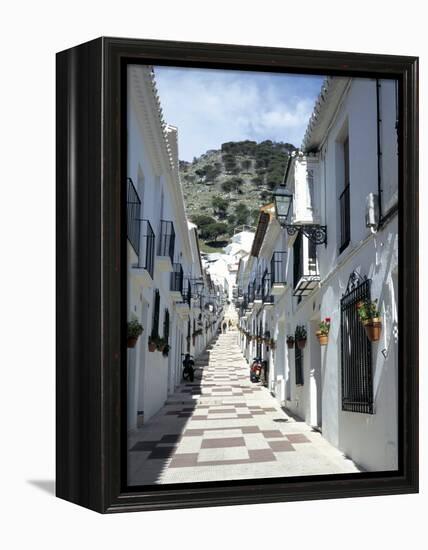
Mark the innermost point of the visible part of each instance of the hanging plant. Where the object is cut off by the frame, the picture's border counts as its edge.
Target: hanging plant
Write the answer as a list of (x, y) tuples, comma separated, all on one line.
[(369, 315), (301, 336), (160, 344), (290, 341), (165, 350), (133, 333), (153, 339), (322, 333)]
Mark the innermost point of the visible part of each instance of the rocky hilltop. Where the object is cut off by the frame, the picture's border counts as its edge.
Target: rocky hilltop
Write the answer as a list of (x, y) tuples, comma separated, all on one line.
[(224, 189)]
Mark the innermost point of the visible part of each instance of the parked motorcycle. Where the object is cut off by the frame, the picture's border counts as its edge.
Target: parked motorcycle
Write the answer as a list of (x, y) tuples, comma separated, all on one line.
[(189, 367), (255, 370)]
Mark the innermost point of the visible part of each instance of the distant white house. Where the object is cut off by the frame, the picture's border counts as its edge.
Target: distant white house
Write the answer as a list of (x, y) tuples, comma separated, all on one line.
[(344, 178)]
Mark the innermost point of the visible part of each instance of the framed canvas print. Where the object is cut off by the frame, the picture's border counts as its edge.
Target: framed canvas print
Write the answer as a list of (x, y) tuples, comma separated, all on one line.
[(237, 282)]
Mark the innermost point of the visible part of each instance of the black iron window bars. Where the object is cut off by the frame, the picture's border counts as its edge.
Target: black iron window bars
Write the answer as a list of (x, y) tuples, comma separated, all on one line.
[(176, 284), (266, 288), (147, 247), (356, 352), (166, 239), (133, 210), (345, 218), (277, 267)]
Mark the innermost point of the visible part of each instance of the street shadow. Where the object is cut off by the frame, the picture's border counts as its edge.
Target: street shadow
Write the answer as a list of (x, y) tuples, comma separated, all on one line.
[(46, 485), (153, 446)]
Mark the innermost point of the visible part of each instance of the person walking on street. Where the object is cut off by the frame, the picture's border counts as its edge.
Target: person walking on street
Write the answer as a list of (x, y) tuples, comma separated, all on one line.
[(224, 327), (230, 324)]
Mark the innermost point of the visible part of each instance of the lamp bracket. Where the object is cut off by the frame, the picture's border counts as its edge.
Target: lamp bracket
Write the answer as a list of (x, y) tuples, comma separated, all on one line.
[(317, 234)]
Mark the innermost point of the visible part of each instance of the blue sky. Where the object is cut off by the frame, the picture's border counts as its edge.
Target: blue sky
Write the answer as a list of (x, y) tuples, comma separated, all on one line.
[(211, 106)]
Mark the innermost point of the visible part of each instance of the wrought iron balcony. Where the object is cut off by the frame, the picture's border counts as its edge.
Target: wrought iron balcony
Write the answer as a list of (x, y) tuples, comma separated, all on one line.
[(267, 297), (146, 256), (166, 245), (278, 272), (176, 282), (345, 222), (133, 211)]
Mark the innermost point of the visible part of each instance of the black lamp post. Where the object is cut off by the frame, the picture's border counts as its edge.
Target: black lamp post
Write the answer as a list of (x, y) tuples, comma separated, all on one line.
[(283, 201)]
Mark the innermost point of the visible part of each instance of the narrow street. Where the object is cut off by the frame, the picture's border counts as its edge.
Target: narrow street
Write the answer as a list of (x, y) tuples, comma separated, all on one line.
[(222, 426)]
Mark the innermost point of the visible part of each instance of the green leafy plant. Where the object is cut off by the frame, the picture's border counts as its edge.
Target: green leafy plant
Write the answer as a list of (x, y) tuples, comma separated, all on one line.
[(301, 333), (135, 329), (368, 310), (324, 327), (165, 350), (160, 343)]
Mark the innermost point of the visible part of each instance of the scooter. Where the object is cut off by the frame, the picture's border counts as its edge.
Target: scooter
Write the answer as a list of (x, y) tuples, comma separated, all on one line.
[(188, 370), (255, 370)]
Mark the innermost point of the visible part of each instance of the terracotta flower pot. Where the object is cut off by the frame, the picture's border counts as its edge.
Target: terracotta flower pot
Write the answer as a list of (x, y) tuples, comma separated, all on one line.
[(152, 346), (323, 339), (131, 341), (301, 343), (373, 328), (290, 344)]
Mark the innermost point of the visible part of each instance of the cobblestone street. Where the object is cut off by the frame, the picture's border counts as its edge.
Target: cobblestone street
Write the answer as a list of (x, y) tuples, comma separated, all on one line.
[(223, 427)]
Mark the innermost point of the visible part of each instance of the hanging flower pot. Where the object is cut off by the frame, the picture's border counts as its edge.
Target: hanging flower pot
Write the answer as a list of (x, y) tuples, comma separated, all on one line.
[(322, 338), (373, 328), (133, 332), (301, 342), (152, 345), (160, 344), (300, 336), (290, 342), (131, 341)]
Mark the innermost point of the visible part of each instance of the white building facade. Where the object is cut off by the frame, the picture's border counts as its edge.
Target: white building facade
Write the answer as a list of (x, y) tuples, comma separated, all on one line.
[(346, 180), (169, 293)]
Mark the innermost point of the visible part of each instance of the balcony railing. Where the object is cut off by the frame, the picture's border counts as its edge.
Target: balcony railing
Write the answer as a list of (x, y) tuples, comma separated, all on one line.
[(345, 225), (251, 292), (133, 211), (277, 268), (267, 289), (146, 257), (176, 284), (166, 240), (187, 296)]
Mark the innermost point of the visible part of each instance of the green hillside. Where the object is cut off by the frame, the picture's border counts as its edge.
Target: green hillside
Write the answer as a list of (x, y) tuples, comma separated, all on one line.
[(224, 189)]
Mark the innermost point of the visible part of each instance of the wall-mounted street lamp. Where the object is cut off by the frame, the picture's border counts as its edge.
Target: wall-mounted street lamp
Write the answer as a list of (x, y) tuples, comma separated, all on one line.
[(283, 201)]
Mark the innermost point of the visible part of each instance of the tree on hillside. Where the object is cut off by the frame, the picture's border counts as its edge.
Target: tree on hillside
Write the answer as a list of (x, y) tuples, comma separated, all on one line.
[(202, 220), (242, 214), (232, 185), (246, 164), (214, 231), (220, 206)]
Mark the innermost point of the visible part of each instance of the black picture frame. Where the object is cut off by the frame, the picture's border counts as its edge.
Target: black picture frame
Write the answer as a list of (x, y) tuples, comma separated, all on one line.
[(90, 282)]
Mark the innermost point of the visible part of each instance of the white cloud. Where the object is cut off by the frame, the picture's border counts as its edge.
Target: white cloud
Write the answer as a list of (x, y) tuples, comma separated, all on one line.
[(210, 107)]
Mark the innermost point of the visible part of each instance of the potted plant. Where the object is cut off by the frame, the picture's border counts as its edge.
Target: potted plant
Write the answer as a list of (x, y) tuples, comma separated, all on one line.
[(290, 341), (322, 333), (160, 344), (165, 350), (369, 315), (301, 336), (134, 331), (153, 342)]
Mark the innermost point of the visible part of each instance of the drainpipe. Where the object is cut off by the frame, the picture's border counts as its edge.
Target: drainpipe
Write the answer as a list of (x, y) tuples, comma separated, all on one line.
[(379, 150)]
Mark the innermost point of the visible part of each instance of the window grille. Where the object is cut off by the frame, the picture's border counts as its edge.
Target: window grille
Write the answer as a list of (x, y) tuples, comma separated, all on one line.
[(133, 210), (298, 363), (356, 364), (344, 203), (156, 308), (166, 326)]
